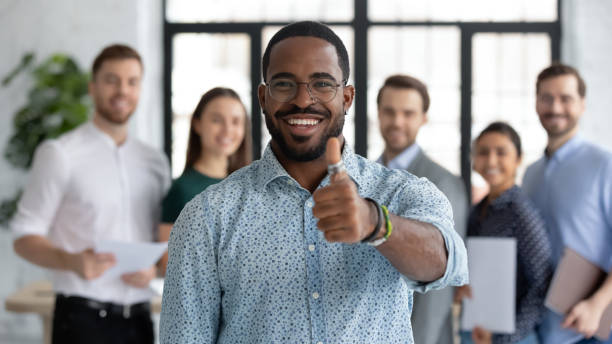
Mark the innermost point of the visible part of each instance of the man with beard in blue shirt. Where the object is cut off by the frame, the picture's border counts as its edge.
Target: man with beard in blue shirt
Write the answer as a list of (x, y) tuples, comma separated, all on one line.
[(283, 251)]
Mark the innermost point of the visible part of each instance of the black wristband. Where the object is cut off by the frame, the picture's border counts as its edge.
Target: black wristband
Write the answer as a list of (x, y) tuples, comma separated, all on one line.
[(372, 236)]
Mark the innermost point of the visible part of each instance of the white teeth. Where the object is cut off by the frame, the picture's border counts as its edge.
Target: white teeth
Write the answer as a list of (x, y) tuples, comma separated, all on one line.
[(492, 171), (300, 121), (120, 104)]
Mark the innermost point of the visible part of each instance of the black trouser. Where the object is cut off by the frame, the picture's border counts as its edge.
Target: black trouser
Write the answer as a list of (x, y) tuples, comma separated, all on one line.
[(78, 320)]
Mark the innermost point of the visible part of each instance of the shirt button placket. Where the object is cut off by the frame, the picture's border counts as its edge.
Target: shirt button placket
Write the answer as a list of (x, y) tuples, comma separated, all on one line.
[(311, 235)]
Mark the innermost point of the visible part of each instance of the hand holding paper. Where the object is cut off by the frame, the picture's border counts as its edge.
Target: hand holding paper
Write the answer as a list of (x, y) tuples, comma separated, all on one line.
[(133, 258), (139, 279), (481, 336), (90, 265)]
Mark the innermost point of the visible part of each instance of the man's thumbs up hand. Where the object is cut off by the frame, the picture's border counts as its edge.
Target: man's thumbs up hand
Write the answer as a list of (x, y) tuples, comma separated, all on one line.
[(343, 215), (333, 157)]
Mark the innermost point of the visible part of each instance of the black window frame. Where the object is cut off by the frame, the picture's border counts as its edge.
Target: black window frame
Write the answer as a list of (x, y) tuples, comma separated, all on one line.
[(360, 24)]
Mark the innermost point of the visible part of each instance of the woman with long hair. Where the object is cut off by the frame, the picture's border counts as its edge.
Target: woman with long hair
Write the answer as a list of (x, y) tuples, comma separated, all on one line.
[(219, 144), (507, 212)]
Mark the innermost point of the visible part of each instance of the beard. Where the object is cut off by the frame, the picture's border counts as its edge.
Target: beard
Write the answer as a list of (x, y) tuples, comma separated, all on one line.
[(396, 144), (557, 131), (334, 130), (110, 115)]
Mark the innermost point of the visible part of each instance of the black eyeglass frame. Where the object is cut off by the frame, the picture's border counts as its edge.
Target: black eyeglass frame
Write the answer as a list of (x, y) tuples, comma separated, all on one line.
[(298, 83)]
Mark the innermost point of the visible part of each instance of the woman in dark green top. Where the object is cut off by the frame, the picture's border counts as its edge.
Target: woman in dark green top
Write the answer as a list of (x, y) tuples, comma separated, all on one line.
[(219, 143)]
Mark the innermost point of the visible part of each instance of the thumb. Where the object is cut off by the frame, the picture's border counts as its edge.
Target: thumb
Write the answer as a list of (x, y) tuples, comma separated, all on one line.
[(333, 157), (569, 319)]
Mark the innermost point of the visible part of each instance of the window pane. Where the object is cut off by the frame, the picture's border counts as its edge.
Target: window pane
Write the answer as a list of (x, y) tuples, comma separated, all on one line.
[(258, 11), (347, 35), (466, 10), (505, 69), (430, 54), (201, 62)]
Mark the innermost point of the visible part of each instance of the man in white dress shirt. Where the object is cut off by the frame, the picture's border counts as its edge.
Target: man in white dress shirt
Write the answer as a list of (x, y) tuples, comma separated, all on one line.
[(93, 184)]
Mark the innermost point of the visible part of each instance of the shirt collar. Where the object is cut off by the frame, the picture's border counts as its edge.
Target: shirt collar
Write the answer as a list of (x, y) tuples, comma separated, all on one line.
[(97, 132), (566, 150), (505, 198), (271, 169), (404, 159)]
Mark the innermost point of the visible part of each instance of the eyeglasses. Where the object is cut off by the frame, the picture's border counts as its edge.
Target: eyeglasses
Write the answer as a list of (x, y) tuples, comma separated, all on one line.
[(320, 89)]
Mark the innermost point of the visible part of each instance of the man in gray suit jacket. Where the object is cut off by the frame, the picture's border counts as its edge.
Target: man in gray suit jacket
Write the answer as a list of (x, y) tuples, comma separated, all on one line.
[(403, 102)]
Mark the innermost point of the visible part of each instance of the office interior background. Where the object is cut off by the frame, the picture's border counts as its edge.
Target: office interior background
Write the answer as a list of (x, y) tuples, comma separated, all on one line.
[(479, 59)]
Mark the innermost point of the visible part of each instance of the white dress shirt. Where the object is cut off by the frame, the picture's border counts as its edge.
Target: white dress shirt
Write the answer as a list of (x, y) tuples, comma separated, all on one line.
[(82, 189)]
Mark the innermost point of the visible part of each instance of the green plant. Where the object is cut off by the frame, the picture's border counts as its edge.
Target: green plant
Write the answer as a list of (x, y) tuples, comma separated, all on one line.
[(56, 103)]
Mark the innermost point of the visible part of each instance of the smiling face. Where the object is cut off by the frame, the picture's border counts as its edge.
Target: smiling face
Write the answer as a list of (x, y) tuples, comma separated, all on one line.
[(400, 115), (301, 126), (496, 160), (559, 105), (221, 126), (115, 89)]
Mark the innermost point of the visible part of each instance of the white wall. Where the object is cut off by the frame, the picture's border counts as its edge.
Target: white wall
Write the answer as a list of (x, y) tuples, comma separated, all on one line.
[(587, 45), (81, 29)]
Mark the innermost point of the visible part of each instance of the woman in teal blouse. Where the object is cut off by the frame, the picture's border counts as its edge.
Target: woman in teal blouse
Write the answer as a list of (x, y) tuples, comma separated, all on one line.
[(219, 143)]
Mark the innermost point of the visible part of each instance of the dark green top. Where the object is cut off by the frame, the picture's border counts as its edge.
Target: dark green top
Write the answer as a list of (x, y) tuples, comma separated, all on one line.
[(183, 189)]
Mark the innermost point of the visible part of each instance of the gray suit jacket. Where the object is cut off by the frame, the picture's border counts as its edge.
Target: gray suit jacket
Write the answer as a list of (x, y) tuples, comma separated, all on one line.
[(431, 312)]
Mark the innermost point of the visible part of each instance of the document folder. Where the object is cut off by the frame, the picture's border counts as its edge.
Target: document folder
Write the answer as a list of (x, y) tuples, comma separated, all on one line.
[(576, 279)]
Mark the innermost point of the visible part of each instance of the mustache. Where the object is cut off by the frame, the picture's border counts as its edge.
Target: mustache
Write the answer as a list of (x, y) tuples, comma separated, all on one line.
[(552, 114), (297, 110)]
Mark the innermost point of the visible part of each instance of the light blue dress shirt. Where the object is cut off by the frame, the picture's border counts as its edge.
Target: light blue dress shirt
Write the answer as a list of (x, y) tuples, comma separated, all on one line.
[(573, 191), (403, 159), (247, 263)]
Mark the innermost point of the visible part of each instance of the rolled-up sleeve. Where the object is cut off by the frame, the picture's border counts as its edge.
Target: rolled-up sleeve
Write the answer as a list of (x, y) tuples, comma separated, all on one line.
[(422, 201), (191, 303), (43, 193)]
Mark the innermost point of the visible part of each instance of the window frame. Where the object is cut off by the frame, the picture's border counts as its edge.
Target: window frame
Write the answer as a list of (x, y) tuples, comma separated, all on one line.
[(360, 25)]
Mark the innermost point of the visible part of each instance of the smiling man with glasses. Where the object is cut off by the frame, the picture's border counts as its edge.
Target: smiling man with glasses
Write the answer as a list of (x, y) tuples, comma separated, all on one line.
[(311, 243)]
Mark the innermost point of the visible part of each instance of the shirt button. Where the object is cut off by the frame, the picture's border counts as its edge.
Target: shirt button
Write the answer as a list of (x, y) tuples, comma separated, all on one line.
[(315, 295), (311, 248), (102, 313), (309, 204)]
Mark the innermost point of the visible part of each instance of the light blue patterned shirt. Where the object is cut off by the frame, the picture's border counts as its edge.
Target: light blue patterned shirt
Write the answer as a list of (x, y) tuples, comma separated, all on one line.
[(248, 265)]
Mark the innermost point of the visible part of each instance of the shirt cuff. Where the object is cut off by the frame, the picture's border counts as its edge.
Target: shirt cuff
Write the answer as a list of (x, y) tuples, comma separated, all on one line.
[(456, 273)]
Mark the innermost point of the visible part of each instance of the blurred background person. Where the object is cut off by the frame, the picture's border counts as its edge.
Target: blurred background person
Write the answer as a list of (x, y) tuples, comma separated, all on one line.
[(507, 212), (219, 144), (403, 102), (93, 184), (572, 186)]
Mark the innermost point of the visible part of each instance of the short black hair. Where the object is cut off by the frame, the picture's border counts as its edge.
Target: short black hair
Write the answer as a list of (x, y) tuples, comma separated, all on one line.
[(504, 129), (309, 29)]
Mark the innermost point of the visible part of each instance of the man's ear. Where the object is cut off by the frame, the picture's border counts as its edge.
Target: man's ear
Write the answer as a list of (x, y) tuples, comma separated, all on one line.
[(348, 94), (261, 95), (425, 118), (582, 105)]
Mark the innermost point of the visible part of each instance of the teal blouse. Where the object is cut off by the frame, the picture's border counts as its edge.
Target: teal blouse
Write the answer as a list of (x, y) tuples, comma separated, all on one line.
[(183, 189)]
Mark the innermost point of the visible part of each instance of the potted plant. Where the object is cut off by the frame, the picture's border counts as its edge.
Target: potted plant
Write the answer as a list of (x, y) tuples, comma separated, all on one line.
[(57, 102)]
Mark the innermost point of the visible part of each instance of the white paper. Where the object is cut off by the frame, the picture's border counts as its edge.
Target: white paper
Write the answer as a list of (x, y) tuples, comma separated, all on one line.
[(131, 256), (492, 268)]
